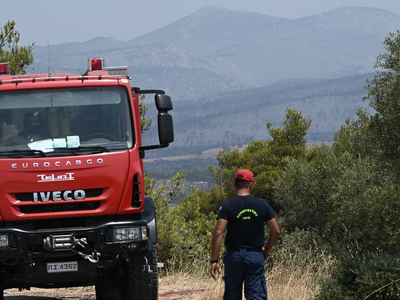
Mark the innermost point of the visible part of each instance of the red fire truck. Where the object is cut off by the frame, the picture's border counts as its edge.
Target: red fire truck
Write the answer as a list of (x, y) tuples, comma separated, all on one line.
[(73, 210)]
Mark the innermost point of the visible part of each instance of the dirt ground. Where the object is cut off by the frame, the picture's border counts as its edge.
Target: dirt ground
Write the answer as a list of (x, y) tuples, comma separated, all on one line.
[(87, 294), (168, 290), (79, 293)]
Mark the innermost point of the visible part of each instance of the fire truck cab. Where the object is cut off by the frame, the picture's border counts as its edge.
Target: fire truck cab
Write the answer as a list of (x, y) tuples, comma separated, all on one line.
[(73, 210)]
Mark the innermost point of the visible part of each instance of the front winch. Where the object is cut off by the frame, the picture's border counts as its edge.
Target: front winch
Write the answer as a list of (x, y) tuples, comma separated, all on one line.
[(63, 242)]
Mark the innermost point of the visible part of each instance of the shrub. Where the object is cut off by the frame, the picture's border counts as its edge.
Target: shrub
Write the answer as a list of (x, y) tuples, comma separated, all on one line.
[(376, 278)]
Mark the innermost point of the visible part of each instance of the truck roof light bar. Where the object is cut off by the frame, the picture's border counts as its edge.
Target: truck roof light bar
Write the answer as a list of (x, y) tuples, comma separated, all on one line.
[(139, 91), (4, 69), (96, 64)]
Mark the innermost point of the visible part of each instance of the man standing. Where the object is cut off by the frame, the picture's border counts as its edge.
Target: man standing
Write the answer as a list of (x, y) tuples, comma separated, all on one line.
[(244, 217)]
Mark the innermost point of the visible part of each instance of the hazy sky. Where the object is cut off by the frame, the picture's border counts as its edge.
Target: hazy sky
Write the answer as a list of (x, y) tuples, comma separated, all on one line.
[(56, 21)]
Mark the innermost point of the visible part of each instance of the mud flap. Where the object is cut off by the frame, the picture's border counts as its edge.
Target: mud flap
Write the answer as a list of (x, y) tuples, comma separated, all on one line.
[(149, 214)]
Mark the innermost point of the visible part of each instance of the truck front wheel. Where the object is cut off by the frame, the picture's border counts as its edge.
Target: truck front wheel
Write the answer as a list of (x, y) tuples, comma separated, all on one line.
[(107, 292), (141, 283)]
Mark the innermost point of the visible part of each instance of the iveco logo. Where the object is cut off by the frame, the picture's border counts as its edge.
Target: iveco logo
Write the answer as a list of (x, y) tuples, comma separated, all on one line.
[(59, 195)]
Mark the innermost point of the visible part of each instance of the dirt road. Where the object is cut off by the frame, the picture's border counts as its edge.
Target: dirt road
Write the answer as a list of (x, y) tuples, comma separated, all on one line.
[(167, 292), (65, 294)]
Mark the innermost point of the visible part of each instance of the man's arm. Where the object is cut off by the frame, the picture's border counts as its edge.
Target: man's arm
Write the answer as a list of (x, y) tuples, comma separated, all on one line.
[(273, 236), (216, 245)]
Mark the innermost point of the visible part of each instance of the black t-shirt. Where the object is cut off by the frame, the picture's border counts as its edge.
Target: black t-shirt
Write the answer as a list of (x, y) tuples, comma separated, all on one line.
[(246, 216)]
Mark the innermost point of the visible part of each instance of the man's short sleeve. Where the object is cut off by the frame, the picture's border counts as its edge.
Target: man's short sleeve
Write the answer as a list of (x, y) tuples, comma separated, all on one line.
[(223, 214), (270, 213)]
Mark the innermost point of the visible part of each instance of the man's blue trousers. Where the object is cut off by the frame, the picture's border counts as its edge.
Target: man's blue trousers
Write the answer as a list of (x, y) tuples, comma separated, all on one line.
[(245, 267)]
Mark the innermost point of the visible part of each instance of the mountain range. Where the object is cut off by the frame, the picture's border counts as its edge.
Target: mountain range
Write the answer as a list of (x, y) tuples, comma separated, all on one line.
[(230, 72)]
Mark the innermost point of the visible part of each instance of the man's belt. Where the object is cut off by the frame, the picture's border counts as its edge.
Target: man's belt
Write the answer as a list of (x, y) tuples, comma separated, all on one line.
[(235, 249)]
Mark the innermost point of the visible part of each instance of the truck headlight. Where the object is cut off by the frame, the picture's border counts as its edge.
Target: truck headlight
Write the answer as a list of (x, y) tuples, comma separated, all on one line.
[(129, 234), (4, 241)]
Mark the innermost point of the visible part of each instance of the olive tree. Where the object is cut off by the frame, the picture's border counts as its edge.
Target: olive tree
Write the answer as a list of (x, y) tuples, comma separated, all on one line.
[(18, 57)]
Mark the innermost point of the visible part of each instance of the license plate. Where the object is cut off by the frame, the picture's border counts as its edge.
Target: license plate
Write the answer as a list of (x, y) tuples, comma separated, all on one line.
[(60, 267)]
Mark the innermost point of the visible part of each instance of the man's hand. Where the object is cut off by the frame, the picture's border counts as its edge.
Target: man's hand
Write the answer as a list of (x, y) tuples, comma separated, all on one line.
[(214, 269), (274, 233), (265, 251), (216, 245)]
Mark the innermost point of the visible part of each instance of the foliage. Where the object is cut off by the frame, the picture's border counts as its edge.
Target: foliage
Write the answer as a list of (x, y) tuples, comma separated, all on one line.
[(163, 194), (348, 194), (195, 219), (353, 207), (383, 95), (18, 57), (354, 136), (290, 140), (185, 230), (266, 159), (342, 198), (375, 278), (347, 201), (144, 123)]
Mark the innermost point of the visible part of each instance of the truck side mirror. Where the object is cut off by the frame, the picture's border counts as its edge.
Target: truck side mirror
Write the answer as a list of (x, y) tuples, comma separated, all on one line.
[(164, 119)]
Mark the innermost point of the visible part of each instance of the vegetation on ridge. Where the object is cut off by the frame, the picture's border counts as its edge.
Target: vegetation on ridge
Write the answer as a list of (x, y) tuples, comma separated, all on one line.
[(339, 202)]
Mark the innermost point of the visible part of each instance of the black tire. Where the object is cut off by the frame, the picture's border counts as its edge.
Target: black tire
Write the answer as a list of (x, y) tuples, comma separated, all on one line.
[(107, 292), (107, 287), (141, 284)]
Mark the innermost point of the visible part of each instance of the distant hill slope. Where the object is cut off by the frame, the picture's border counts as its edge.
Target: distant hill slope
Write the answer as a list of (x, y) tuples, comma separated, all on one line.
[(240, 117), (258, 50), (215, 50), (230, 72)]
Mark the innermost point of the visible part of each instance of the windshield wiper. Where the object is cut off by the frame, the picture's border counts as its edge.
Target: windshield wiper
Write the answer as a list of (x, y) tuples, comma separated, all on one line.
[(18, 153), (82, 150), (93, 149)]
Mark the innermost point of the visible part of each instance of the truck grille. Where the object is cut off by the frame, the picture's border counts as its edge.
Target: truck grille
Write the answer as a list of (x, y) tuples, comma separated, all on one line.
[(90, 193), (59, 206), (50, 208)]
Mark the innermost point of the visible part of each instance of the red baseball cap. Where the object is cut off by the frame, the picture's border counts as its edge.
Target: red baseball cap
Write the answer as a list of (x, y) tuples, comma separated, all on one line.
[(245, 175)]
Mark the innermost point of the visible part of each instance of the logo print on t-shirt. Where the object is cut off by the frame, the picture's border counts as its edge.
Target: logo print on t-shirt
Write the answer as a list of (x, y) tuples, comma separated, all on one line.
[(247, 210)]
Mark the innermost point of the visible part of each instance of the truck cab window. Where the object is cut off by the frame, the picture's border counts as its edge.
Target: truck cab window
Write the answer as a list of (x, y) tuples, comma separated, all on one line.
[(94, 116)]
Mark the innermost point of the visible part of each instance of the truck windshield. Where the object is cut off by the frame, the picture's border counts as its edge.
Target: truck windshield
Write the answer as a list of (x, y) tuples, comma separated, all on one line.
[(62, 119)]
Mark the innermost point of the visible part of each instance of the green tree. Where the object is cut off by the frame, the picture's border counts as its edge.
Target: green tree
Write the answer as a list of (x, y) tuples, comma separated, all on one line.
[(189, 229), (377, 277), (266, 159), (184, 230), (289, 141), (355, 136), (348, 201), (163, 194), (18, 57), (352, 204), (383, 96)]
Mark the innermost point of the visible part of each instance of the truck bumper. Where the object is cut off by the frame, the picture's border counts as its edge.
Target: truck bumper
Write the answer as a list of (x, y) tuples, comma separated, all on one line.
[(32, 240)]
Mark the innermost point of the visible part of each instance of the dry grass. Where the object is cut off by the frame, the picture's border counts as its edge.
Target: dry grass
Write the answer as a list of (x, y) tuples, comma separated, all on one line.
[(77, 293), (182, 285), (293, 277), (296, 277)]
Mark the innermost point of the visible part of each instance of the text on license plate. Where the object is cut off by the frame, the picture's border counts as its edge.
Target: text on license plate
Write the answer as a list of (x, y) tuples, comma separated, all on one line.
[(60, 267)]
